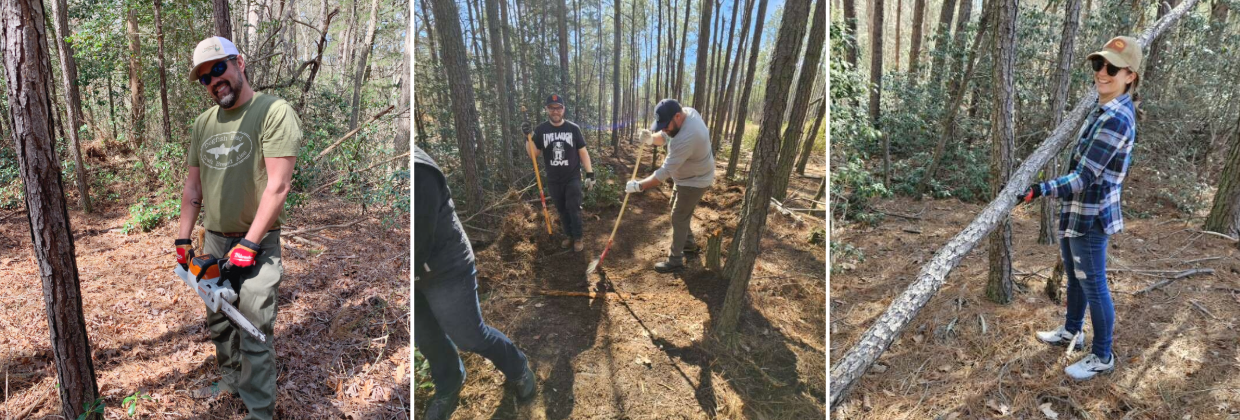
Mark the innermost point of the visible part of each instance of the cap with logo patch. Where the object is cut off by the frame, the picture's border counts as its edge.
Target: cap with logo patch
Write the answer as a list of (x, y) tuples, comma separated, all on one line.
[(1123, 52), (665, 110), (554, 99), (211, 49)]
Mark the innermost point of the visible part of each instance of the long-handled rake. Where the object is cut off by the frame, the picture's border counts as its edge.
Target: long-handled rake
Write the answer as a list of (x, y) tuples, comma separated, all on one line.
[(541, 195), (594, 264)]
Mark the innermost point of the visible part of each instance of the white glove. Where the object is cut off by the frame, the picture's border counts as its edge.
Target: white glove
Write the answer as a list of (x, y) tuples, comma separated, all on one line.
[(645, 137), (633, 187), (588, 183)]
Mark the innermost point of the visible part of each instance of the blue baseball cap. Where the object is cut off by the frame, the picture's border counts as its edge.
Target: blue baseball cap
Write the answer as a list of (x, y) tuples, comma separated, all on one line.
[(665, 110), (554, 99)]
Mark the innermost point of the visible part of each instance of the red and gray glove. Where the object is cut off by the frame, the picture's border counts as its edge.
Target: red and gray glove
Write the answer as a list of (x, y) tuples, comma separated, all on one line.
[(185, 252), (1034, 191), (244, 254)]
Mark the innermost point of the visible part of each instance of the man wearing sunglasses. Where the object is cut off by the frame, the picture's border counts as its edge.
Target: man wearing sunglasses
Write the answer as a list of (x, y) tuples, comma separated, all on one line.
[(241, 158)]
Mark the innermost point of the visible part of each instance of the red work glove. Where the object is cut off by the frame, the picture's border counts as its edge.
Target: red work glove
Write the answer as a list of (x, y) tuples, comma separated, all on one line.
[(185, 252), (244, 254)]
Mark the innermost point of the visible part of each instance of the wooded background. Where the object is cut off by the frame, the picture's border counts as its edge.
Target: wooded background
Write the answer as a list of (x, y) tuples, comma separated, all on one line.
[(121, 77), (916, 97)]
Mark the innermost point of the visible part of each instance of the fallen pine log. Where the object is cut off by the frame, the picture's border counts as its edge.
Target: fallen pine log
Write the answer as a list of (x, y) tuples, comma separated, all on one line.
[(857, 360), (591, 295)]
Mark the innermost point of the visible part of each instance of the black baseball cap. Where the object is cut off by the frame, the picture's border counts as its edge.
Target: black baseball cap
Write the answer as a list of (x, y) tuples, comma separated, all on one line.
[(665, 110), (554, 99)]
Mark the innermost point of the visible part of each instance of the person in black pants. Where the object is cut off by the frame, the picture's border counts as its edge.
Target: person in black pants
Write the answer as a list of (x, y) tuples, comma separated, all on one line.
[(566, 152), (445, 306)]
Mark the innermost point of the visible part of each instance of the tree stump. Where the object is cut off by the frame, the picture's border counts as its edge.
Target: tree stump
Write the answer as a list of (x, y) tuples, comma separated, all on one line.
[(713, 246), (1052, 283)]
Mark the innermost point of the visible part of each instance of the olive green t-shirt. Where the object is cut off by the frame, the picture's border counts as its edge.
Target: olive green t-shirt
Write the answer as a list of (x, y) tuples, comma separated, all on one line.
[(228, 147)]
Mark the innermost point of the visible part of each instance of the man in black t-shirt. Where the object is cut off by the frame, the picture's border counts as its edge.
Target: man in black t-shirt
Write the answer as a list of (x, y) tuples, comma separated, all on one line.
[(563, 149)]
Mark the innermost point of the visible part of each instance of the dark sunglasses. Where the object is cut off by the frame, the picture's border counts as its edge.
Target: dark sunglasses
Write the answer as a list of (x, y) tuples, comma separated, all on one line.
[(1098, 62), (218, 70)]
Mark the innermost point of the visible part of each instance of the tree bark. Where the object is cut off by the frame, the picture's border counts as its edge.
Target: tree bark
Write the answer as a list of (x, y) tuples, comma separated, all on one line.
[(703, 48), (359, 75), (800, 105), (914, 54), (1003, 132), (746, 244), (680, 61), (223, 23), (1154, 58), (615, 79), (876, 65), (808, 148), (1224, 214), (28, 77), (898, 25), (962, 22), (137, 99), (163, 72), (850, 31), (1218, 13), (502, 67), (878, 337), (406, 81), (942, 37), (317, 63), (465, 116), (1059, 98), (747, 86), (73, 100), (562, 18)]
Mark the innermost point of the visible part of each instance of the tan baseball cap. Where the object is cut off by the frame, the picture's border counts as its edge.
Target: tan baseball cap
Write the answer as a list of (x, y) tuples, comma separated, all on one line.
[(211, 49), (1122, 51)]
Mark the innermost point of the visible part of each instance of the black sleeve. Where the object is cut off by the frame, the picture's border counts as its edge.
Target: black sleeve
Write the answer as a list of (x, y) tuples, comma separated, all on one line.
[(579, 140), (537, 136), (428, 195)]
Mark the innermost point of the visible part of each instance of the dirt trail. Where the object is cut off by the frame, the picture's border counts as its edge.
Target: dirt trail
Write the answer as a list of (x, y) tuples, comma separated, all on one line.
[(645, 357), (1178, 350), (342, 332)]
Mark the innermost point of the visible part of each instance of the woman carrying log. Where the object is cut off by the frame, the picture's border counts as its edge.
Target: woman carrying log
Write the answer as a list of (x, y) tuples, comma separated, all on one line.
[(1090, 203)]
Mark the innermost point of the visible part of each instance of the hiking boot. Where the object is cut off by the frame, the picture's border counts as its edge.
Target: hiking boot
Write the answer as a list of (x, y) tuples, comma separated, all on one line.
[(1060, 337), (210, 392), (443, 403), (1090, 366), (578, 245), (567, 242), (525, 385), (673, 264), (691, 248)]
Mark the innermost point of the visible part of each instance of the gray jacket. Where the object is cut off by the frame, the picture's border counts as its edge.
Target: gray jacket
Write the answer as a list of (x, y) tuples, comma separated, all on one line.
[(690, 160)]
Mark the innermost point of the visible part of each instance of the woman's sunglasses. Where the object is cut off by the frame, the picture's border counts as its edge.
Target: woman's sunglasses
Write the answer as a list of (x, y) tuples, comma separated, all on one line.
[(218, 70), (1097, 63)]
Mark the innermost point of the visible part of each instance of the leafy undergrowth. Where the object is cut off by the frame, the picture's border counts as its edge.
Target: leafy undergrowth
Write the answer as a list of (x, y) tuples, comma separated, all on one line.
[(341, 333)]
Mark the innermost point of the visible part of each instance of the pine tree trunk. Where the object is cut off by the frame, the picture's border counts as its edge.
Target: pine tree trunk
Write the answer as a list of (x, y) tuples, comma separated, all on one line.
[(223, 23), (898, 25), (615, 79), (1149, 79), (942, 37), (137, 100), (703, 58), (962, 21), (28, 81), (359, 75), (1218, 13), (999, 283), (1047, 228), (800, 105), (808, 148), (745, 89), (732, 67), (1224, 214), (406, 81), (502, 68), (163, 72), (317, 64), (914, 54), (73, 100), (876, 65), (714, 247), (465, 116), (680, 61), (850, 29), (746, 243), (562, 20)]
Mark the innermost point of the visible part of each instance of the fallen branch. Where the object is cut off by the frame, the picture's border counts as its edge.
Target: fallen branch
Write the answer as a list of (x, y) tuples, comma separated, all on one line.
[(507, 198), (1173, 279), (305, 231), (884, 331), (1208, 232), (1202, 308), (785, 210), (351, 133), (325, 185), (38, 402)]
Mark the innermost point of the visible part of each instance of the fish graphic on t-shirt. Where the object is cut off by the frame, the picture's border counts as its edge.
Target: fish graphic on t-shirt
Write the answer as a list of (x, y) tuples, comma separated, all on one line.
[(222, 150)]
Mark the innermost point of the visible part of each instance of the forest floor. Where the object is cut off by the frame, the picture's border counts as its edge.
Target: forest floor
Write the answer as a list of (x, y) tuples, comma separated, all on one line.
[(964, 357), (646, 356), (342, 333)]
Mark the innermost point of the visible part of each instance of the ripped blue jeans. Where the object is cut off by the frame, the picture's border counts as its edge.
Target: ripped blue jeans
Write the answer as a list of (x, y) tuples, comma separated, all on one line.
[(1085, 262)]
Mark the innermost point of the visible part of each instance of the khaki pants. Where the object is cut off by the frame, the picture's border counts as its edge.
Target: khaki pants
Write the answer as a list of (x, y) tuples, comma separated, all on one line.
[(248, 366), (684, 201)]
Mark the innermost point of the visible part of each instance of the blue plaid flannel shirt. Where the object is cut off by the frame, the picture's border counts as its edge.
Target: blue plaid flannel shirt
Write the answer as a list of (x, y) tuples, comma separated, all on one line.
[(1091, 192)]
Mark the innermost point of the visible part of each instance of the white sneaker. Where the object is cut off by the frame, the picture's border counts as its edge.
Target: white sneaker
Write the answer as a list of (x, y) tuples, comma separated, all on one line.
[(1060, 337), (1089, 366)]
